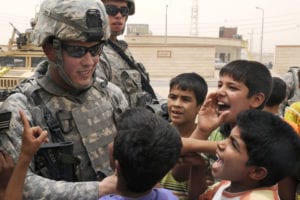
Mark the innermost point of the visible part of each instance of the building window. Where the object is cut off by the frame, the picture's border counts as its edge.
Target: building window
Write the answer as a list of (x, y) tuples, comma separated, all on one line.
[(164, 53)]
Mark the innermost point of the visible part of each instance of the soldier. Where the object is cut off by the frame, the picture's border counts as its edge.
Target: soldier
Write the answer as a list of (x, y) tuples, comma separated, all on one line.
[(117, 62), (291, 79), (66, 99)]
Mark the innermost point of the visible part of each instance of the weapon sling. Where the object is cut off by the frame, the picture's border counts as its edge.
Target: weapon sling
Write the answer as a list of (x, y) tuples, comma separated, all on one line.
[(145, 83), (54, 160)]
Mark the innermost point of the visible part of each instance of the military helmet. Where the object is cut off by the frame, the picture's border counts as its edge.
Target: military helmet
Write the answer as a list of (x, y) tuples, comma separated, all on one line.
[(131, 6), (78, 20)]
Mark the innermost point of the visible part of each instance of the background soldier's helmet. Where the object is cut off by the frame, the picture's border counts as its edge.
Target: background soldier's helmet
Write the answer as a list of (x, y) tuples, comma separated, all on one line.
[(79, 20), (131, 6)]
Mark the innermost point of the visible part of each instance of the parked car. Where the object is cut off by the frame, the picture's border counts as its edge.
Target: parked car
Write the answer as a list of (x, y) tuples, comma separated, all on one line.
[(219, 63)]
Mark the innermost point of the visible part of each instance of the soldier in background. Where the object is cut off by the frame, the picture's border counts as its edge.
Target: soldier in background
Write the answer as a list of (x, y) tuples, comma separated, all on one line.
[(66, 99), (29, 30), (117, 62), (291, 78)]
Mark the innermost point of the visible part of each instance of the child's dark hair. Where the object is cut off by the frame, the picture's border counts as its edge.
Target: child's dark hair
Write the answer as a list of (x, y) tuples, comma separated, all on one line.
[(278, 92), (146, 147), (193, 82), (270, 143), (254, 75)]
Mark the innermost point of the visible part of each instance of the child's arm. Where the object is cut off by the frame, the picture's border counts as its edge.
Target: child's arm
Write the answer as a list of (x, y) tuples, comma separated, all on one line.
[(197, 181), (190, 145), (196, 145), (32, 139), (6, 169)]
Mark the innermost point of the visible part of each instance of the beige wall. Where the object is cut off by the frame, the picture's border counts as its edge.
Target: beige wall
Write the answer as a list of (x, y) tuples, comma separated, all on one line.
[(167, 57), (169, 61), (286, 56)]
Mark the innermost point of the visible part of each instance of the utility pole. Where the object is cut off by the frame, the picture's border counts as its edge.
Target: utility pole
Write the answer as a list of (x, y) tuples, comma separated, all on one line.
[(262, 33), (194, 19), (251, 41), (166, 24)]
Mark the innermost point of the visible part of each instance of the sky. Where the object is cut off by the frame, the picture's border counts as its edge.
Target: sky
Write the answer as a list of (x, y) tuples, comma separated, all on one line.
[(281, 19)]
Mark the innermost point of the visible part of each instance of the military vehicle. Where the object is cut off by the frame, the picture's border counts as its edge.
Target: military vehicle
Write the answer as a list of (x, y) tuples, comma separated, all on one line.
[(18, 59)]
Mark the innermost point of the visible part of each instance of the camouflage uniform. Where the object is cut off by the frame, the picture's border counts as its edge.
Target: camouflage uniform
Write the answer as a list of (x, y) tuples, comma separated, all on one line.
[(116, 70), (91, 127), (86, 116), (293, 91)]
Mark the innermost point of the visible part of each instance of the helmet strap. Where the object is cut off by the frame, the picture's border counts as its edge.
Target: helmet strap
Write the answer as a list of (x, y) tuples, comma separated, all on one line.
[(59, 65)]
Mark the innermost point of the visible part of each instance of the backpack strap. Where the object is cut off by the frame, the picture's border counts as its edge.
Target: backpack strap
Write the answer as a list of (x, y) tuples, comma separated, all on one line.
[(145, 81), (32, 93)]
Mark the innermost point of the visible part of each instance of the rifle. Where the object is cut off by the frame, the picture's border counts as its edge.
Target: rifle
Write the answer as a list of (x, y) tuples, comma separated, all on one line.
[(21, 39), (56, 161), (15, 29)]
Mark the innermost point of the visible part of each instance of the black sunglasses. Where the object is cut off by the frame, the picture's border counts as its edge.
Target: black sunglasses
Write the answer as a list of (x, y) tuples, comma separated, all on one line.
[(79, 51), (112, 10)]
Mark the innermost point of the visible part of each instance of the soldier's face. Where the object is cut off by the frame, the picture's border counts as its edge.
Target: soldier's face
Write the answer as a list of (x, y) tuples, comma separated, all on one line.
[(80, 70), (117, 21)]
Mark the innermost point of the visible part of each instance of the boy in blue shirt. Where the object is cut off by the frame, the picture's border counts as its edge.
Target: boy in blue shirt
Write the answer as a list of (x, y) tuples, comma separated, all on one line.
[(145, 148)]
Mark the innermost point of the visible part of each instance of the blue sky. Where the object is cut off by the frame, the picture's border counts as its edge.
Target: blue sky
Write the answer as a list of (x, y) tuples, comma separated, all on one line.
[(281, 18)]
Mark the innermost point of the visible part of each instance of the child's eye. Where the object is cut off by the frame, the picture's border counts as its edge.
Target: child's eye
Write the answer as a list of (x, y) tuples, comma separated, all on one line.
[(233, 88), (171, 96), (234, 143), (186, 99)]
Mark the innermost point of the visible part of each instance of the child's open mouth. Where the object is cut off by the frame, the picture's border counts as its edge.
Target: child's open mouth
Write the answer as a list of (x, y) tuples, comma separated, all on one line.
[(176, 113), (222, 106), (218, 163)]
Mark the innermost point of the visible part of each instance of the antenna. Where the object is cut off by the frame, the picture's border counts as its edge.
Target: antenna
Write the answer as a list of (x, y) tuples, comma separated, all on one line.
[(194, 19)]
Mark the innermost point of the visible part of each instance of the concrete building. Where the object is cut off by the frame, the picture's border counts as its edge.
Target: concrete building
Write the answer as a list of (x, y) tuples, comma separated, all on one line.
[(285, 57), (168, 56)]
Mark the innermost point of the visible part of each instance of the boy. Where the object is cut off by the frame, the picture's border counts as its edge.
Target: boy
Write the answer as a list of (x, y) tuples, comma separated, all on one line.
[(261, 150), (242, 85), (145, 148), (186, 95), (278, 95)]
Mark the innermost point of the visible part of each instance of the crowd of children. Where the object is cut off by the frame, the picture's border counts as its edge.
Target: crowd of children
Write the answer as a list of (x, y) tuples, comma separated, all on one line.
[(235, 131)]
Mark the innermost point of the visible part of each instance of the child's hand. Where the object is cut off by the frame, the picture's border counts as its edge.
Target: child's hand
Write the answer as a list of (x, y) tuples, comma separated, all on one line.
[(208, 117), (32, 138)]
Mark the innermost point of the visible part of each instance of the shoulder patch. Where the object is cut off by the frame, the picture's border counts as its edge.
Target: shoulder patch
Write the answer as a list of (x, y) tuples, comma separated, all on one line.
[(5, 120)]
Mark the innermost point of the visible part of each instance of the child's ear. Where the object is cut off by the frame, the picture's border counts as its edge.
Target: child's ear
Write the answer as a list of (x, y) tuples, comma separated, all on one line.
[(257, 100), (258, 173), (117, 167)]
